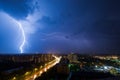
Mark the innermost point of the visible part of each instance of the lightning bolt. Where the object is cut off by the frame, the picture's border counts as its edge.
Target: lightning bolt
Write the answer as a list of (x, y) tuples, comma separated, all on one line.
[(19, 25), (23, 37)]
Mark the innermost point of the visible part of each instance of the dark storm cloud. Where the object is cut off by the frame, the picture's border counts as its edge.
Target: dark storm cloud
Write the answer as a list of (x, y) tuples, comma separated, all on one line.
[(16, 8), (84, 25)]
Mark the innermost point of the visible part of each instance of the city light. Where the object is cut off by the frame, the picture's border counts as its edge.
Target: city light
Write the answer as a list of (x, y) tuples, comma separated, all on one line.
[(27, 73), (105, 67), (14, 78), (45, 69), (38, 72), (35, 76)]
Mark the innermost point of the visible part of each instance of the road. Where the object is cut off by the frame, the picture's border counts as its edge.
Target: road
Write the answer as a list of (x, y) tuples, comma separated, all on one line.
[(47, 66)]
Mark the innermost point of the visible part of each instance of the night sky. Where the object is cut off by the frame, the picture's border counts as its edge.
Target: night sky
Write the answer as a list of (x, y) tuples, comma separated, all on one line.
[(62, 26)]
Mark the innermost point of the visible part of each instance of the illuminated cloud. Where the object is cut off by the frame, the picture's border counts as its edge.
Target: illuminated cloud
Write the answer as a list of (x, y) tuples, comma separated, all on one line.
[(11, 32)]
